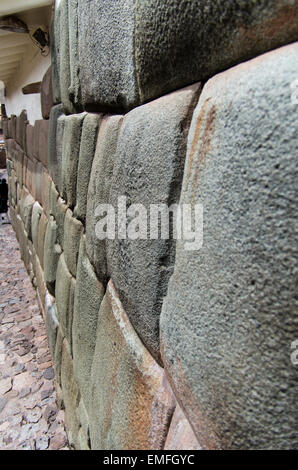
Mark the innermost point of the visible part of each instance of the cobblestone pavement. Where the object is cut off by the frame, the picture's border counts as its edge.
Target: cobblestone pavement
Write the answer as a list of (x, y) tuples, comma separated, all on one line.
[(29, 417)]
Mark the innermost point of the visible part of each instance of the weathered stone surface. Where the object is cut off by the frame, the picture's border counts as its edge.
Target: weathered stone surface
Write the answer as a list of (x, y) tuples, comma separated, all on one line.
[(52, 252), (88, 297), (37, 181), (51, 322), (41, 287), (70, 156), (21, 124), (55, 141), (181, 435), (43, 132), (84, 432), (70, 394), (58, 210), (12, 126), (73, 230), (30, 140), (46, 94), (18, 156), (201, 38), (64, 293), (36, 214), (87, 150), (228, 319), (75, 86), (30, 175), (55, 56), (131, 404), (107, 80), (26, 206), (64, 56), (45, 193), (157, 46), (42, 227), (58, 355), (152, 142), (99, 190), (37, 130)]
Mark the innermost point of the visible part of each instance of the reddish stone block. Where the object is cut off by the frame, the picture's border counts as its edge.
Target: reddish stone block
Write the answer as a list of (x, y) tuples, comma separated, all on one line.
[(46, 94), (181, 435), (43, 131), (131, 403), (30, 140)]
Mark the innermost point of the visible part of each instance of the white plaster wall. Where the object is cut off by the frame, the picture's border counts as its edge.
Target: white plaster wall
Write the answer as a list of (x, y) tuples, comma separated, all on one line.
[(32, 69)]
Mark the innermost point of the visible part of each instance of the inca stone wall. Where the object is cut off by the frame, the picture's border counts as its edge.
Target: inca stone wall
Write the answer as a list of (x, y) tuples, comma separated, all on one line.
[(155, 346)]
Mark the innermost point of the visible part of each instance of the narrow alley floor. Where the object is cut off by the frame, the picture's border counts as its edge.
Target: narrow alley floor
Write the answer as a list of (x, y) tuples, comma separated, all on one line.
[(29, 416)]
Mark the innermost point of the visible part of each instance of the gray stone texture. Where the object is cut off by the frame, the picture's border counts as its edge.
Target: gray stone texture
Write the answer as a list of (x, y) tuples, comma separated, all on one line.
[(46, 94), (21, 124), (228, 320), (148, 170), (73, 230), (51, 322), (70, 156), (58, 211), (71, 394), (106, 54), (43, 133), (75, 86), (156, 46), (26, 206), (131, 405), (64, 56), (64, 293), (55, 56), (30, 141), (99, 191), (42, 228), (179, 42), (52, 252), (55, 141), (88, 297), (36, 214), (87, 150)]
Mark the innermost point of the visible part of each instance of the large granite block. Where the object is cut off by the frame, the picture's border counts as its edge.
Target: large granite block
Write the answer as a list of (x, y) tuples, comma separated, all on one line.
[(64, 56), (87, 150), (99, 191), (51, 322), (64, 293), (21, 125), (148, 170), (228, 319), (131, 404), (30, 141), (43, 133), (42, 228), (58, 210), (131, 51), (26, 206), (52, 252), (36, 214), (73, 230), (70, 156), (88, 296), (74, 89), (55, 142), (106, 54), (71, 395)]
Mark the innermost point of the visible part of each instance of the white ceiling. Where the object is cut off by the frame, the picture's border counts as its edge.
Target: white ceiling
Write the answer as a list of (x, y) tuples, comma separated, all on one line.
[(13, 46)]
